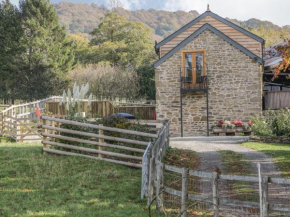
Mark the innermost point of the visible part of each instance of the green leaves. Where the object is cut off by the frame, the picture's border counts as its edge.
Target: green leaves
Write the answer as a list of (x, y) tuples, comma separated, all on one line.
[(122, 42)]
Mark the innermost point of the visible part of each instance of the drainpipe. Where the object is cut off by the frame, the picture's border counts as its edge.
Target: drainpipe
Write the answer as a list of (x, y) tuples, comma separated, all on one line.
[(207, 103), (207, 107), (181, 115)]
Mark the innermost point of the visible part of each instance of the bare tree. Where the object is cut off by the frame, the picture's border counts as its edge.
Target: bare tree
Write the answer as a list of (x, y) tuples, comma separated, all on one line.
[(114, 4), (107, 81)]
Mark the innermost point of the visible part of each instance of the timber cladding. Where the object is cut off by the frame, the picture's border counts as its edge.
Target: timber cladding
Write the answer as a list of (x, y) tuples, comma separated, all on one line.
[(243, 39), (104, 109), (234, 85)]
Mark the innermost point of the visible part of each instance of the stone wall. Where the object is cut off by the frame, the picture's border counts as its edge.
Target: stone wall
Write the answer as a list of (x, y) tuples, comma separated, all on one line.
[(235, 87), (270, 139)]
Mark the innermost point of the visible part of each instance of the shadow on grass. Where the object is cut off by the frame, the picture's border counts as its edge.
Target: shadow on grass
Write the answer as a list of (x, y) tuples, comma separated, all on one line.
[(34, 184), (279, 152)]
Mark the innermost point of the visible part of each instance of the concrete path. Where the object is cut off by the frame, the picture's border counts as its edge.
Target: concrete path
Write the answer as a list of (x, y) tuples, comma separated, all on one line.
[(210, 159)]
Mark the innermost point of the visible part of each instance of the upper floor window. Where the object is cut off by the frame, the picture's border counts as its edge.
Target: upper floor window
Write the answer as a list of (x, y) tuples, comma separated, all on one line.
[(193, 66)]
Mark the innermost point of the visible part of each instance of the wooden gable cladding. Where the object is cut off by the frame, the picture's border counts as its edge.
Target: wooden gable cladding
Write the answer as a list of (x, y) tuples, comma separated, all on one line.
[(241, 38)]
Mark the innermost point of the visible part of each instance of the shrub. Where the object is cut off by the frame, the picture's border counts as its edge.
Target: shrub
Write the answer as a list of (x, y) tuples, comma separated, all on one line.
[(261, 126), (273, 123), (281, 123)]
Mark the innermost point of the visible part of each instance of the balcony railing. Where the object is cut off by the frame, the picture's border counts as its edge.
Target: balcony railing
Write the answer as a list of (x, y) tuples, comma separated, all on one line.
[(193, 81)]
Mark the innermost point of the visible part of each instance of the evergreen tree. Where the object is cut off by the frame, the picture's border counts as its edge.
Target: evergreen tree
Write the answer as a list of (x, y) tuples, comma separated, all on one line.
[(49, 51), (10, 49)]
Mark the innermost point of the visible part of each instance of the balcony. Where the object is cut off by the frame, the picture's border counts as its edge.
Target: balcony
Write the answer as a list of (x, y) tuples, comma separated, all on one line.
[(192, 81)]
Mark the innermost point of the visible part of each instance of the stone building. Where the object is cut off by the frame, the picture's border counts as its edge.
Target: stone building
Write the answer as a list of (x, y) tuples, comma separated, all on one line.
[(209, 70)]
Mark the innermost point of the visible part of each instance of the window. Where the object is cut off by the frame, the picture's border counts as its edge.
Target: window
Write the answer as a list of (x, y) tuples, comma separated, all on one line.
[(193, 66)]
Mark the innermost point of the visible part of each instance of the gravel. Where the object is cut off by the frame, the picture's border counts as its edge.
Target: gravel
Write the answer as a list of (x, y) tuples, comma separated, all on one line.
[(210, 159)]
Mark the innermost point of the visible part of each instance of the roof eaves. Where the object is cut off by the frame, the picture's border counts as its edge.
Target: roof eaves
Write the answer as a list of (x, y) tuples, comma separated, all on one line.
[(209, 13), (182, 29), (246, 32), (217, 32)]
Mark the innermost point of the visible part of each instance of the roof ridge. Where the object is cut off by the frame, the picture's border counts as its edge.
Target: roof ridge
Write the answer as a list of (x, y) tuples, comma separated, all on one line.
[(197, 33), (208, 13)]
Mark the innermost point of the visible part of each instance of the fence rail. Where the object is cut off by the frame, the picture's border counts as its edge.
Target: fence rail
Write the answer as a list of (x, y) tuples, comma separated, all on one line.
[(154, 150), (219, 198), (94, 144), (106, 108), (19, 122)]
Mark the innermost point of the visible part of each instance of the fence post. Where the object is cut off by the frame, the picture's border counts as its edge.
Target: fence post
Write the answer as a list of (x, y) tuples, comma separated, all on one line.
[(3, 124), (16, 127), (159, 186), (260, 188), (101, 132), (53, 125), (148, 169), (215, 193), (184, 193), (265, 205), (44, 138), (151, 181)]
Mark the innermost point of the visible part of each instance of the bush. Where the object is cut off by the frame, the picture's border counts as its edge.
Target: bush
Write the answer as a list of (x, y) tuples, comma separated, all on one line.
[(122, 123), (281, 123), (261, 126), (273, 123)]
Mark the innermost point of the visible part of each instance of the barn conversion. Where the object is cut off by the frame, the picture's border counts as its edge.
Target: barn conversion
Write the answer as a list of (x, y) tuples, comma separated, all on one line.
[(209, 70)]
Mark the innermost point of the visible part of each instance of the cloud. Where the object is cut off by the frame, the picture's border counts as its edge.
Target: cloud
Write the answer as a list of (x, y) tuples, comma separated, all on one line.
[(274, 11), (185, 5)]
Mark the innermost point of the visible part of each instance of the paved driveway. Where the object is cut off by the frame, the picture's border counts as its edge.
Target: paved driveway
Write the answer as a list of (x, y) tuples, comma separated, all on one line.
[(207, 148)]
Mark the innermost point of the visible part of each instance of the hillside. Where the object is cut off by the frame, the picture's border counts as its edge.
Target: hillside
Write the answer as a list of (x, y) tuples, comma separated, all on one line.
[(81, 17)]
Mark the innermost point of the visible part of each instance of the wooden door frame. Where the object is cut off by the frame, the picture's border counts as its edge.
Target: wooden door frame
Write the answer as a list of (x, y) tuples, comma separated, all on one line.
[(183, 52)]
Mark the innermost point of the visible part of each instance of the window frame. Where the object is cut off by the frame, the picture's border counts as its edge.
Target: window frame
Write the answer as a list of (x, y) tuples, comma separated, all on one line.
[(193, 52)]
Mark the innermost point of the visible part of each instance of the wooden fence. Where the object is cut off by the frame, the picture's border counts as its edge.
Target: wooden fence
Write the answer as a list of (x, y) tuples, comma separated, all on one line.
[(102, 108), (3, 106), (19, 122), (106, 108), (220, 197), (277, 99), (120, 150), (153, 151)]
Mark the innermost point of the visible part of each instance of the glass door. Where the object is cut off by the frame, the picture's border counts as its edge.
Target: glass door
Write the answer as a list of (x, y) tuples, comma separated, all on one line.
[(193, 67)]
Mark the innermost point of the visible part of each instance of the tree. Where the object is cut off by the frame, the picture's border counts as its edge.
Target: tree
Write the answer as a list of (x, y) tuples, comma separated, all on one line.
[(82, 50), (285, 64), (122, 42), (11, 50), (271, 36), (107, 81), (114, 4), (146, 77), (48, 53)]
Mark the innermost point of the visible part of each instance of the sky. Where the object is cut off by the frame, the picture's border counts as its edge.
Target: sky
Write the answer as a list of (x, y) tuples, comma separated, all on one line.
[(276, 11)]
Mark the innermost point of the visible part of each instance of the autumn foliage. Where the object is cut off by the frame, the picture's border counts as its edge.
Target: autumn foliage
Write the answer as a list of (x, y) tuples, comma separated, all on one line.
[(284, 50)]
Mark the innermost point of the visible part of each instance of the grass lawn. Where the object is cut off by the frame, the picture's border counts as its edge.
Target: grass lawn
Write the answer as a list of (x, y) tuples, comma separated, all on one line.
[(33, 184), (279, 152), (181, 158), (235, 163)]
